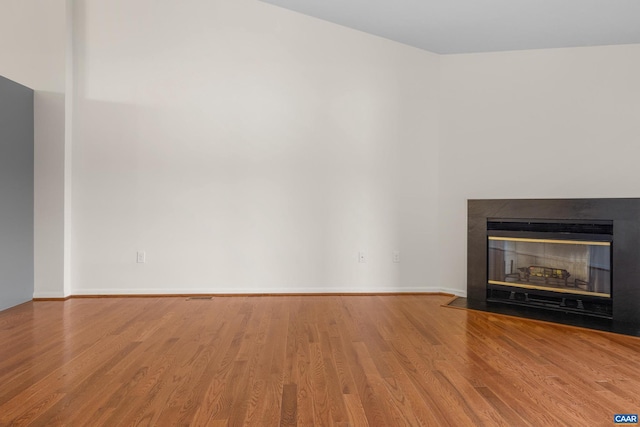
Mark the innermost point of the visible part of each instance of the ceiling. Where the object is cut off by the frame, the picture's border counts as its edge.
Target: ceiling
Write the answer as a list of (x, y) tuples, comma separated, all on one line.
[(465, 26)]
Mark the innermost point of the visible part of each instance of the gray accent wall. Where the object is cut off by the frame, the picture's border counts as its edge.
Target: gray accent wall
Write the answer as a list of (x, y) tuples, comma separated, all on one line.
[(16, 193)]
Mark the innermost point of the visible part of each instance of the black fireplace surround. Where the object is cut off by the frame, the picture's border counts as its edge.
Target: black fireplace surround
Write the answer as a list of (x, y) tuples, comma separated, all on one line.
[(600, 291)]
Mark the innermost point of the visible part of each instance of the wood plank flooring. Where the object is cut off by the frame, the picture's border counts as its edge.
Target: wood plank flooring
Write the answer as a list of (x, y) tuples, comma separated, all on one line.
[(396, 360)]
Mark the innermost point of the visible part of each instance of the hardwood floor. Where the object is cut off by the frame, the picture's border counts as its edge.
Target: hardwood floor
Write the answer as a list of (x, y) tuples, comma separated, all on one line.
[(305, 360)]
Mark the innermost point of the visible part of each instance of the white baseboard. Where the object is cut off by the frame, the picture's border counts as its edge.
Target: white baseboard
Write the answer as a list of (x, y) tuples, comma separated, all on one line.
[(45, 295), (280, 290), (456, 292)]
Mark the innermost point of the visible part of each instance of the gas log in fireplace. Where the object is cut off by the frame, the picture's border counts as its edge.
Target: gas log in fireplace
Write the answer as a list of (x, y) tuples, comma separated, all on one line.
[(578, 258), (556, 264)]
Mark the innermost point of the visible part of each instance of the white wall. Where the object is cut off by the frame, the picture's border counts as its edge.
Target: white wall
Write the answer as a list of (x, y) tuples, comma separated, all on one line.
[(560, 123), (247, 148), (32, 42)]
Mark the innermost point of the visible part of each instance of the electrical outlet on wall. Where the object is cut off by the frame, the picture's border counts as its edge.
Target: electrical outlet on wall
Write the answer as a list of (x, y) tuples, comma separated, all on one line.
[(141, 257), (395, 255), (362, 258)]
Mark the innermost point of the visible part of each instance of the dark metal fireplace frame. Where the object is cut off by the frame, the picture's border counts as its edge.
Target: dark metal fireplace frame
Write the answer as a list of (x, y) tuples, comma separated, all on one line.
[(625, 288)]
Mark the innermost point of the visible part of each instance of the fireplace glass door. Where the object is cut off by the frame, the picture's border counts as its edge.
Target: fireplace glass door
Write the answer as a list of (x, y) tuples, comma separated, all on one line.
[(568, 266)]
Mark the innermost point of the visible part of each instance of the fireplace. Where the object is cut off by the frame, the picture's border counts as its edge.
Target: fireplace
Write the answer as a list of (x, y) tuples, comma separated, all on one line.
[(574, 261), (563, 265)]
